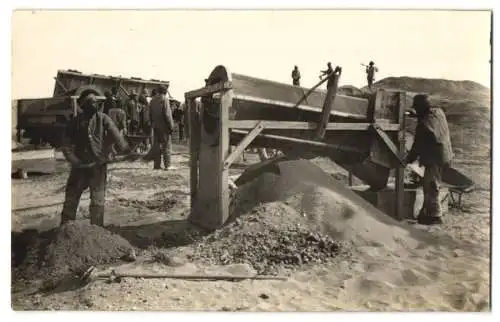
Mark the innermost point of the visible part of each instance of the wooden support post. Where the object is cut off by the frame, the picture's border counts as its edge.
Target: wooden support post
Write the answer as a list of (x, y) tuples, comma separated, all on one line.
[(243, 145), (350, 179), (194, 142), (327, 107), (399, 184), (74, 105), (223, 150)]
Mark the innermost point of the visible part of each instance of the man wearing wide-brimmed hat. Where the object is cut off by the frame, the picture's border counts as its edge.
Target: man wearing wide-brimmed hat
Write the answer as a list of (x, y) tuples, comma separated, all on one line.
[(87, 145), (432, 146), (163, 126)]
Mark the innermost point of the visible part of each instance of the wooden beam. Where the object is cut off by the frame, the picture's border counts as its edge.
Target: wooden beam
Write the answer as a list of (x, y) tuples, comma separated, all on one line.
[(243, 145), (388, 143), (304, 98), (400, 181), (58, 82), (124, 89), (286, 125), (292, 105), (207, 90), (304, 141), (327, 107)]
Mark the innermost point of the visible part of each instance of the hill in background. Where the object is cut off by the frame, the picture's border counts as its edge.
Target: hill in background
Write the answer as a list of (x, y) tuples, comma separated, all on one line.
[(467, 106)]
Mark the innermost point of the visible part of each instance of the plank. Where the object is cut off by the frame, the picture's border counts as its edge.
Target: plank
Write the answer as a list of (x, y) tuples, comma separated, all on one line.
[(243, 144), (246, 86), (285, 125), (210, 89), (304, 141), (277, 103)]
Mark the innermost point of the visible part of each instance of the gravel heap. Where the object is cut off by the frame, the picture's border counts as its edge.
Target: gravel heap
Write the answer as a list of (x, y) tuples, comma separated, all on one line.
[(70, 248), (268, 244)]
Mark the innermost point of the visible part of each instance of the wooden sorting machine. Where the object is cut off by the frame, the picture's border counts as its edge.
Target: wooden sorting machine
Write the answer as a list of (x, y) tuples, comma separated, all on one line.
[(364, 136)]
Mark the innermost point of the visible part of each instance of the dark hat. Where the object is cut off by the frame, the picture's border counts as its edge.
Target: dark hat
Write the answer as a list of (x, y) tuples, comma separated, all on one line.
[(371, 63), (85, 95), (421, 102), (329, 63), (162, 89)]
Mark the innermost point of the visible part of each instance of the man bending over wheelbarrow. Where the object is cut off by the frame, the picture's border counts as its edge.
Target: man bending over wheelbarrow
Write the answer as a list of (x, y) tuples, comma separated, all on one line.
[(87, 144)]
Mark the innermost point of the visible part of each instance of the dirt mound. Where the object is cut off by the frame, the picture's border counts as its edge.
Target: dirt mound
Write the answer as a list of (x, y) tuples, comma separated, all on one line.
[(442, 88), (70, 248), (350, 90)]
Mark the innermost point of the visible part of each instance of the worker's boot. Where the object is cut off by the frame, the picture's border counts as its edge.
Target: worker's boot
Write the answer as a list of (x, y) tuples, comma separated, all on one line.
[(97, 215), (69, 211)]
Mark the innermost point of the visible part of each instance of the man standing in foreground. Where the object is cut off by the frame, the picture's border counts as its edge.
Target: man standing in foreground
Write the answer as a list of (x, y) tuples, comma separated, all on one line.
[(432, 146), (163, 126), (87, 144)]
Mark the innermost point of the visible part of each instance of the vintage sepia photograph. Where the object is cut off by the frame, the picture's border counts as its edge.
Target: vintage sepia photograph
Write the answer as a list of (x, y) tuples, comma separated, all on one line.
[(251, 160)]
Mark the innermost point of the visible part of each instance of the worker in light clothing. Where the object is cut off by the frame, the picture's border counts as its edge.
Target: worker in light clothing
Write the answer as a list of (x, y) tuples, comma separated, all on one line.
[(432, 146), (86, 145), (119, 117), (163, 126)]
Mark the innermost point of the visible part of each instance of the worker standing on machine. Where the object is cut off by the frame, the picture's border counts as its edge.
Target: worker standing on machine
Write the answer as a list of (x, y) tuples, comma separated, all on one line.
[(86, 145), (296, 76), (329, 73), (432, 146), (371, 69)]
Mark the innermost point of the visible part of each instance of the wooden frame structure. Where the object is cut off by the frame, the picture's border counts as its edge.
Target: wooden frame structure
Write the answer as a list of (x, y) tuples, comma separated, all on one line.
[(213, 124)]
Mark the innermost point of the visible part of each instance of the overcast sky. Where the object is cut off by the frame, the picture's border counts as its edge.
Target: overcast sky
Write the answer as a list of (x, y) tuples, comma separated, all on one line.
[(184, 46)]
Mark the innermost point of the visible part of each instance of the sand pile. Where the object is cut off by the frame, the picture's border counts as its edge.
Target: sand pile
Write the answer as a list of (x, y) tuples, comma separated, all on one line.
[(327, 204), (293, 213), (70, 248)]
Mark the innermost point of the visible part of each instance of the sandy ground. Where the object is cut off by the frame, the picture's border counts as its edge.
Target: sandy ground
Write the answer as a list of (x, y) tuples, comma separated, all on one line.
[(422, 279)]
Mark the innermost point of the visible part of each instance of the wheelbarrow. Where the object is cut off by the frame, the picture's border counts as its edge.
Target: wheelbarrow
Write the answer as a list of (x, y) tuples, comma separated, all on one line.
[(457, 183), (137, 142)]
